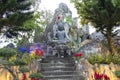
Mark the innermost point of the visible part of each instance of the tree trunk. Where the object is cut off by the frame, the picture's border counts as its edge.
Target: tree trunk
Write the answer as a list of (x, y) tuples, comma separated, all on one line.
[(110, 42)]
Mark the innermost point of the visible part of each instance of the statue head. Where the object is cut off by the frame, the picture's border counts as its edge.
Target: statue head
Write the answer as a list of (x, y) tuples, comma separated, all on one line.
[(60, 26)]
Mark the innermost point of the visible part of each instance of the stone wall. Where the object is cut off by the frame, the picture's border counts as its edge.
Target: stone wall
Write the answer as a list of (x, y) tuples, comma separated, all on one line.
[(5, 75), (87, 70), (91, 47)]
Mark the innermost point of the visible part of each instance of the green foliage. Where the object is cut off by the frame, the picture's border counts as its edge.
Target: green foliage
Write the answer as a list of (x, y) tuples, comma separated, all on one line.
[(116, 2), (7, 52), (44, 18), (117, 73), (26, 58), (104, 59), (8, 63), (36, 75), (95, 58), (23, 69), (20, 62), (75, 41), (31, 23), (102, 14), (12, 57), (107, 59), (116, 59), (118, 49), (16, 13), (99, 12), (22, 59)]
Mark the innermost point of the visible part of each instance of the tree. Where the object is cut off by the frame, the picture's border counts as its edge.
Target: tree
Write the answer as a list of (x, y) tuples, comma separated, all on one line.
[(13, 13), (45, 17), (116, 2), (102, 14), (33, 25), (37, 24)]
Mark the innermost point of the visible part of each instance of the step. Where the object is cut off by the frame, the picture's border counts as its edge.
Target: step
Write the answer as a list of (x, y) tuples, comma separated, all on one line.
[(78, 78), (64, 79), (53, 56), (54, 68), (49, 60), (69, 77), (57, 64), (58, 69), (58, 58), (47, 73)]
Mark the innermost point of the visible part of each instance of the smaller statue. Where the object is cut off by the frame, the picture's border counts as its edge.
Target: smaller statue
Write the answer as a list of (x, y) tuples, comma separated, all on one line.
[(61, 37)]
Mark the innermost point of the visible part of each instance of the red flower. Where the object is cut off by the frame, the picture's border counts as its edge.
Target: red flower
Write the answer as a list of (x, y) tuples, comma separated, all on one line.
[(78, 54), (106, 77), (39, 52), (32, 78), (24, 76), (98, 76), (36, 51)]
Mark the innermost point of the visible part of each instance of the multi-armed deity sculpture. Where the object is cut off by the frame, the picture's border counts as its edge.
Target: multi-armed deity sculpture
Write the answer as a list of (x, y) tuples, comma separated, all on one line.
[(60, 29), (57, 31)]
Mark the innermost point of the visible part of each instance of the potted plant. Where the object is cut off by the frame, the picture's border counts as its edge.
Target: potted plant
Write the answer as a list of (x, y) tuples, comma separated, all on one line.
[(117, 73), (23, 70), (36, 76)]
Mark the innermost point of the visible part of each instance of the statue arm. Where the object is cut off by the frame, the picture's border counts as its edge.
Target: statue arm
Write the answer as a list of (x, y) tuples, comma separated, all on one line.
[(67, 37), (48, 36), (54, 30)]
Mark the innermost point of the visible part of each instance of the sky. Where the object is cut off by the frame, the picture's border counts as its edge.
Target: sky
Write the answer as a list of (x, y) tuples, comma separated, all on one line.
[(53, 4)]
